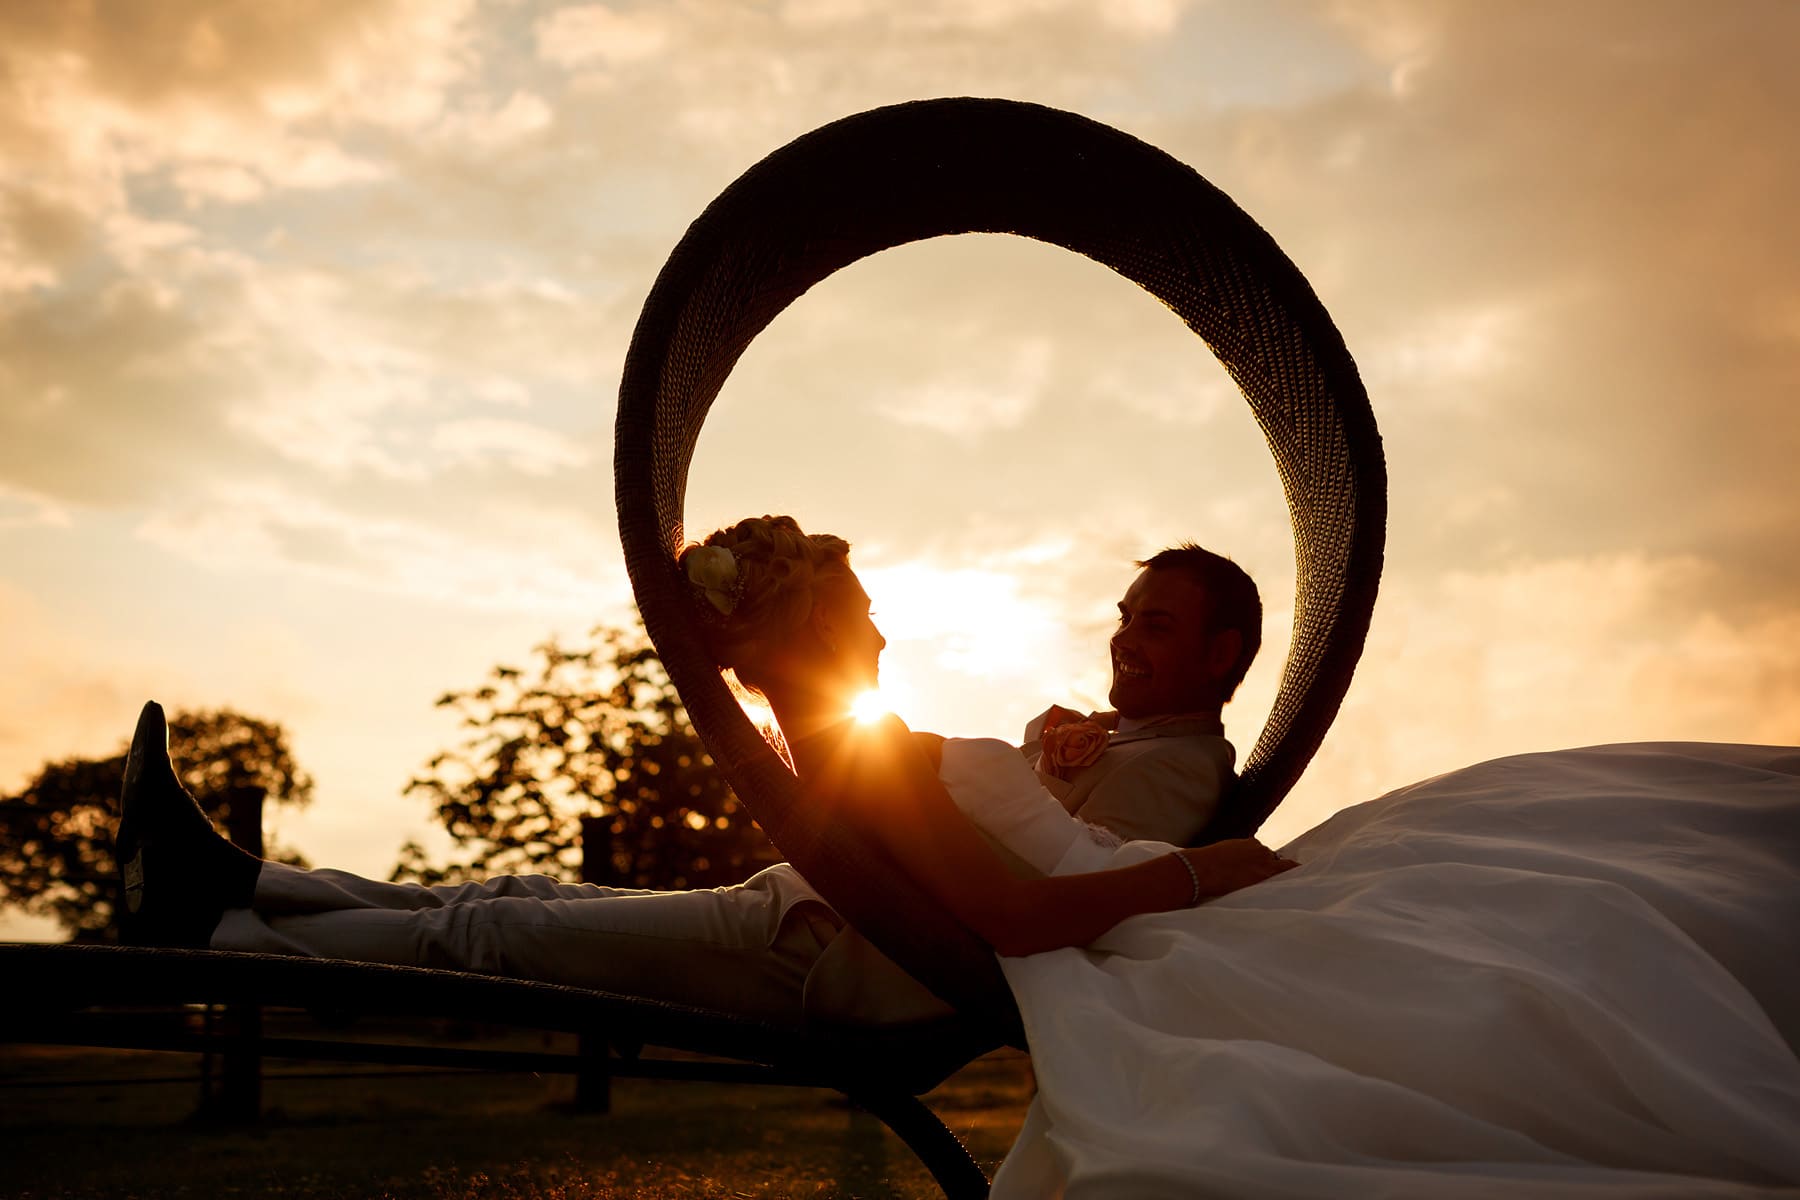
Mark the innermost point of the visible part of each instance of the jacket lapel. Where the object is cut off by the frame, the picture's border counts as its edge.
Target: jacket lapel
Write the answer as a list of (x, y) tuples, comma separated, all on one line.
[(1185, 727)]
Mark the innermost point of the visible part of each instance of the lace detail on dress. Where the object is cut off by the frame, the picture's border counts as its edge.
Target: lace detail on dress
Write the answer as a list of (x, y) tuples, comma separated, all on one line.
[(1100, 835)]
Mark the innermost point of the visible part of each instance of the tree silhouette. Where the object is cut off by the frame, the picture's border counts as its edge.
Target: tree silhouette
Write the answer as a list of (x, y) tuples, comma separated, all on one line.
[(56, 855), (596, 733)]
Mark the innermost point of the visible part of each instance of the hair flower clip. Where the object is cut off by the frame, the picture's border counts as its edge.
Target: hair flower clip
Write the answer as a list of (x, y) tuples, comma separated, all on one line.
[(714, 570)]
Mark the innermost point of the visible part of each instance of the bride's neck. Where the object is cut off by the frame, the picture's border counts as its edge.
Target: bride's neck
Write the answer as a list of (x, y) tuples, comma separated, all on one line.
[(802, 712)]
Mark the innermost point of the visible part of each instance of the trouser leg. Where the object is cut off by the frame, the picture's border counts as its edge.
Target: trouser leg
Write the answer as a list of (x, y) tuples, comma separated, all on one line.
[(744, 949), (285, 890)]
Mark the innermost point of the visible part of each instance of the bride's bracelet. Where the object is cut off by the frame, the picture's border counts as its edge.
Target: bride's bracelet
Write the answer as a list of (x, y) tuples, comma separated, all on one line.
[(1193, 876)]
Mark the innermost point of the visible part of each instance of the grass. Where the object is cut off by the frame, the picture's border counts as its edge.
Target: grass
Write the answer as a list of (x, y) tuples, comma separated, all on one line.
[(458, 1136)]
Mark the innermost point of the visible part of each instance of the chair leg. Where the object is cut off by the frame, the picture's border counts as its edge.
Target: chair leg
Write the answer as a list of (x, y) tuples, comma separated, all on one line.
[(930, 1139)]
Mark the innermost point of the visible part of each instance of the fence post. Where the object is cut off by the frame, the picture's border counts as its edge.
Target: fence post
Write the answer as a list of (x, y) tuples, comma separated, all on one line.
[(593, 1082), (237, 1096)]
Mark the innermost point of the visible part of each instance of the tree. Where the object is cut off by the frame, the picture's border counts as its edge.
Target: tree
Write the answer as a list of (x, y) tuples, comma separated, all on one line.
[(598, 733), (56, 855)]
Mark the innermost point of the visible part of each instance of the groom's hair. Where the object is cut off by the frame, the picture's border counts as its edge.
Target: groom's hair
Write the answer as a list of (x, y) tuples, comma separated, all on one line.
[(1232, 601)]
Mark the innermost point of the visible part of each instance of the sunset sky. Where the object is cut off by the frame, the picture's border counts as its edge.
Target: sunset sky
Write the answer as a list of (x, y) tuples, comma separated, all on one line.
[(312, 317)]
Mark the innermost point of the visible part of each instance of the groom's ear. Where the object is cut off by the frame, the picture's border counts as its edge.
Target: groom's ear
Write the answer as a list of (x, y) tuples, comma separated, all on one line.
[(1222, 651)]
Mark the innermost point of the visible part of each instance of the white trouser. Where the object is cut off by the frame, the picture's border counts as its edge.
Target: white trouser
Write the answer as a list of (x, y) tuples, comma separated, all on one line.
[(744, 949)]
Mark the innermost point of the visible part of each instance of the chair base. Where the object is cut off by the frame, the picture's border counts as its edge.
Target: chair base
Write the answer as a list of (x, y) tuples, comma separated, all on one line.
[(880, 1071)]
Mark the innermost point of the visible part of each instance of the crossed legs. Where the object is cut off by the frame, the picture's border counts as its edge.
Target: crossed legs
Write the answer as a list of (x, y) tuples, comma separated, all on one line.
[(744, 949)]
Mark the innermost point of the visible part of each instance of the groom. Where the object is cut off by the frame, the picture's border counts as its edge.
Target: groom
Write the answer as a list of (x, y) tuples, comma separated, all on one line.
[(769, 948), (1155, 767)]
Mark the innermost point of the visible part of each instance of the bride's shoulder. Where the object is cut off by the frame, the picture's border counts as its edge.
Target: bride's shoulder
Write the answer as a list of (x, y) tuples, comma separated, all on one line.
[(856, 753)]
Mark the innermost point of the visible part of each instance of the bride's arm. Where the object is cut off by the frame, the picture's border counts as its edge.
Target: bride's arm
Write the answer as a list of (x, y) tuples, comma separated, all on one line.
[(886, 783), (931, 745)]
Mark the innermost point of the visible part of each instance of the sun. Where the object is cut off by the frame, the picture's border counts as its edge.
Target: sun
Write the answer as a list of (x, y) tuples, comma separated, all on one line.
[(891, 695), (870, 706)]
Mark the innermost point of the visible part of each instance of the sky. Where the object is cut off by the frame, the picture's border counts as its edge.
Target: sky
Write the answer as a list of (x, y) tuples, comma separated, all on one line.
[(312, 318)]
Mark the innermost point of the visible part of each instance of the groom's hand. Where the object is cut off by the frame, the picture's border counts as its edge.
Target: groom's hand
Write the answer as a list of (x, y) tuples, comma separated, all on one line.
[(1224, 867), (1051, 717)]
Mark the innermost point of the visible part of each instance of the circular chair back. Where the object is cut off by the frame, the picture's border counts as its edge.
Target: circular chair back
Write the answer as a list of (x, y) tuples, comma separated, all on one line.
[(912, 171)]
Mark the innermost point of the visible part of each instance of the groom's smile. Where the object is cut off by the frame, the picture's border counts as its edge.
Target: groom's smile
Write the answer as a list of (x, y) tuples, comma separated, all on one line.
[(1124, 667)]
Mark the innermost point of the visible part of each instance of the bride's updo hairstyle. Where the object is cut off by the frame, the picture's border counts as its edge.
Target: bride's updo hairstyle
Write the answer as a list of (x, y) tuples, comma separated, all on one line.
[(755, 583)]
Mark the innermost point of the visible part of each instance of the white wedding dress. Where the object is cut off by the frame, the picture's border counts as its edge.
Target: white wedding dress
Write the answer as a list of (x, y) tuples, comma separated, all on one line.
[(1565, 974)]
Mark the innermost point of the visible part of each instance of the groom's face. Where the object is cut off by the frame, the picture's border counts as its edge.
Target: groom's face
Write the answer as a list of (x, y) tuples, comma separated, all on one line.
[(1159, 652)]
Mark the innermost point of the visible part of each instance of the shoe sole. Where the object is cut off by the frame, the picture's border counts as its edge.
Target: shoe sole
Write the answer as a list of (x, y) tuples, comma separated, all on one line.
[(152, 729)]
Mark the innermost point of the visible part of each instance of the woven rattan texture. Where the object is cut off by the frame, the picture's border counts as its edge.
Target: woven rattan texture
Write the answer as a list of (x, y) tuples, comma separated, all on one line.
[(899, 174)]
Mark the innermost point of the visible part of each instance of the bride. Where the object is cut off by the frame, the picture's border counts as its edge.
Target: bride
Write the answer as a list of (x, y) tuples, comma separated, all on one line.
[(1565, 974)]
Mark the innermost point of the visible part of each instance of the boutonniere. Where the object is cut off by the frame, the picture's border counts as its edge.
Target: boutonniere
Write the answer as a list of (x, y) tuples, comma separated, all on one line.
[(1069, 744)]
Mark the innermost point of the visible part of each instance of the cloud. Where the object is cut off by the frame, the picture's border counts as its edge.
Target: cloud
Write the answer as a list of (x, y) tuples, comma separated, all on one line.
[(209, 361), (1138, 18), (390, 61), (1451, 348), (224, 183), (1081, 405), (484, 125), (527, 448), (223, 101), (20, 508), (1005, 389), (63, 691), (108, 395), (576, 35), (1468, 665), (729, 76), (38, 234), (1526, 247), (519, 563)]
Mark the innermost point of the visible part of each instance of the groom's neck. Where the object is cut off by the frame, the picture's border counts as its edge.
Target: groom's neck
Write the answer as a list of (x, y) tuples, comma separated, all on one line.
[(1133, 724)]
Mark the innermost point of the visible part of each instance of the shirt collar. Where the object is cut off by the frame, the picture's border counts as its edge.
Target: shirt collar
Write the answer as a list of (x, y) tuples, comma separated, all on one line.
[(1140, 724)]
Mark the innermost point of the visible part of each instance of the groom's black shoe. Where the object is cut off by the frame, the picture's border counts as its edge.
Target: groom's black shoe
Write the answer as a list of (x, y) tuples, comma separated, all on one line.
[(179, 874)]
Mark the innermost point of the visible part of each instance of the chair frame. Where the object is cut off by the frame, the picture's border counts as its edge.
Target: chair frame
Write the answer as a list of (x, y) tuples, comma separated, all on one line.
[(930, 168)]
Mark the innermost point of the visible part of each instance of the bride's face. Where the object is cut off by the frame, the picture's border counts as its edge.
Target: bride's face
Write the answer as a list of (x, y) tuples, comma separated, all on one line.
[(851, 645)]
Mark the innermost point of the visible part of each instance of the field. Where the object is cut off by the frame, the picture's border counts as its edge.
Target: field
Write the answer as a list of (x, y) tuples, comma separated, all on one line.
[(94, 1125)]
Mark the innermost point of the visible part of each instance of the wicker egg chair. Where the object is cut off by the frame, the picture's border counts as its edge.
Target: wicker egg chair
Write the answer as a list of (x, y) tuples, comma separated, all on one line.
[(912, 171)]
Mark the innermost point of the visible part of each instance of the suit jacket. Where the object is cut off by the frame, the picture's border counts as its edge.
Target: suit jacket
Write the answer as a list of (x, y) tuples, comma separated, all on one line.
[(1160, 783)]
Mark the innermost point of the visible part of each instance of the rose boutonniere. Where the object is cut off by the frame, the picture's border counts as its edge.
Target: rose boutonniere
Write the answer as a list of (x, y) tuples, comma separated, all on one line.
[(1069, 744)]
